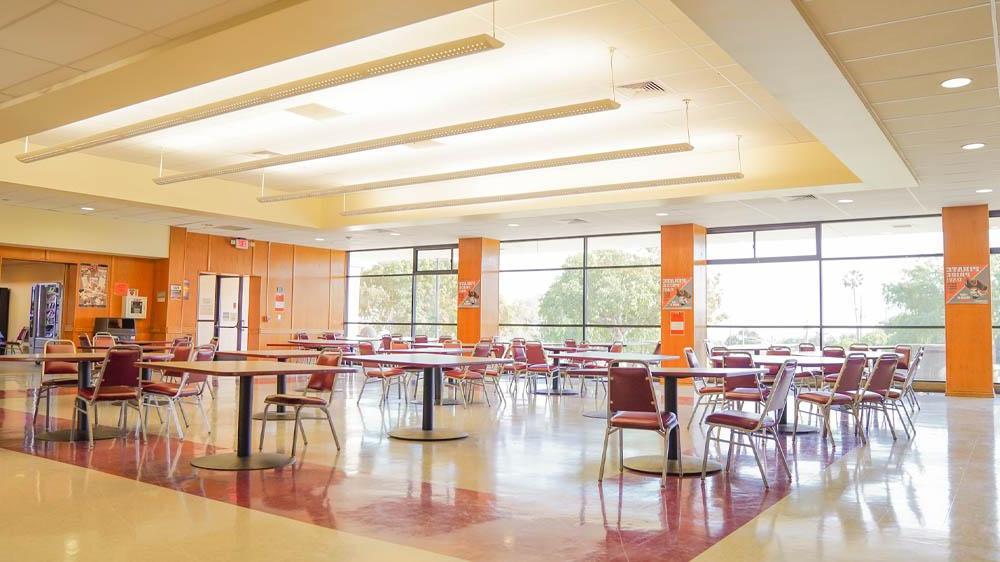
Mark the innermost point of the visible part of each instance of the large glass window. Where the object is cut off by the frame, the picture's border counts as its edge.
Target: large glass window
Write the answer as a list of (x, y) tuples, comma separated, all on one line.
[(597, 288), (402, 291), (878, 282)]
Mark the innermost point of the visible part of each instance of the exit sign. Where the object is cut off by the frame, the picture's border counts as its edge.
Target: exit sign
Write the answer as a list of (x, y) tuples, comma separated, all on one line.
[(240, 243)]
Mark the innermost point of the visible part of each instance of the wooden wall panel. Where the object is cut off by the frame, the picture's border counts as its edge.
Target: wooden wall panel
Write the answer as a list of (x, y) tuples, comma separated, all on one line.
[(224, 258), (280, 265), (968, 327), (195, 262), (311, 288), (682, 255), (479, 262)]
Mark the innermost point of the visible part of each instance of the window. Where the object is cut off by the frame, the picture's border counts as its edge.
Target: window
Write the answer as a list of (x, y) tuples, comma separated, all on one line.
[(597, 288), (874, 281), (402, 291)]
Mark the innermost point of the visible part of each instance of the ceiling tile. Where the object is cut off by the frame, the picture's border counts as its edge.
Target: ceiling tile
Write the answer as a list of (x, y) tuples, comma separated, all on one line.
[(144, 15), (211, 16), (956, 101), (69, 33), (15, 10), (924, 61), (42, 81), (838, 15), (929, 84), (951, 119), (119, 52), (18, 68)]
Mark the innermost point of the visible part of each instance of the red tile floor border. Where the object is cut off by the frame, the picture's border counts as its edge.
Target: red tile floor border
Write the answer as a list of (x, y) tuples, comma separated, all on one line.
[(631, 519)]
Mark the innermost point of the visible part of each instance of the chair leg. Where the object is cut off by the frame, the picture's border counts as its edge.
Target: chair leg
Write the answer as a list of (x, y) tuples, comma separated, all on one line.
[(888, 420), (756, 457), (177, 422), (329, 420), (204, 416), (704, 458), (302, 428), (694, 410), (93, 424), (621, 451), (604, 453), (781, 453), (666, 447), (263, 424), (38, 399), (180, 406), (295, 432), (361, 392)]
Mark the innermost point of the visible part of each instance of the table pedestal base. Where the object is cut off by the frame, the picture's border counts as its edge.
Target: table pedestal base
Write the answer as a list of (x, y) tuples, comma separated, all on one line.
[(444, 402), (231, 461), (789, 429), (653, 464), (556, 392), (597, 414), (419, 434), (276, 416), (71, 435)]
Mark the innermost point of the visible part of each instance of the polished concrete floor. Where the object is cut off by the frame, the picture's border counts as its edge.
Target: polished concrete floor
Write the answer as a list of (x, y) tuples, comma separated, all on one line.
[(523, 486)]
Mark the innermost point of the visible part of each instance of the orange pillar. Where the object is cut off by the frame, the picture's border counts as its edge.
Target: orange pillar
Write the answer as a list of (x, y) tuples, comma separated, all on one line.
[(682, 289), (968, 330), (478, 289)]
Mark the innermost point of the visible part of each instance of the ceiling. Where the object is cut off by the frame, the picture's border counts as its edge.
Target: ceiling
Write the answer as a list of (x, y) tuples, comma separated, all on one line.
[(898, 54), (44, 42), (894, 54)]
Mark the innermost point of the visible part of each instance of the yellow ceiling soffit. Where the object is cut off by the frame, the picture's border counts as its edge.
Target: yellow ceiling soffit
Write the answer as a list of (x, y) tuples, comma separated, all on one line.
[(387, 65), (396, 140)]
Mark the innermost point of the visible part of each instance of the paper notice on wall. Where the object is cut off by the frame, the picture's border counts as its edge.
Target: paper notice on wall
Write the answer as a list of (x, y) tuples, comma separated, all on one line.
[(967, 284), (279, 299), (175, 292), (677, 293), (676, 323), (469, 294)]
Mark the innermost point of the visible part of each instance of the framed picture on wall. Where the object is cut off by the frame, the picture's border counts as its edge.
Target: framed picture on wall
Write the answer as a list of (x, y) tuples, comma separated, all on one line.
[(93, 288)]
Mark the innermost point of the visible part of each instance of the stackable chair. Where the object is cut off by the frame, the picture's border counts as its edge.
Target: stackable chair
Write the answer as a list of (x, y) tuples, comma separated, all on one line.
[(538, 364), (740, 389), (519, 368), (902, 392), (62, 374), (173, 395), (761, 426), (831, 372), (467, 379), (384, 374), (874, 395), (858, 347), (85, 341), (708, 392), (179, 351), (903, 369), (321, 384), (806, 347), (844, 392), (632, 404), (420, 339), (18, 344), (117, 383), (104, 340)]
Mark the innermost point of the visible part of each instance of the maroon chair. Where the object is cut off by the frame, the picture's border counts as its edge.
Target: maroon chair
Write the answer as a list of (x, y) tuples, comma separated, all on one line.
[(104, 341), (85, 341), (300, 335), (875, 394), (116, 382), (858, 347), (172, 395), (715, 354), (742, 388), (569, 342), (383, 374), (66, 374), (420, 339), (467, 379), (538, 363), (632, 404), (772, 370), (831, 372), (806, 346), (180, 351), (519, 368), (844, 392), (706, 390), (761, 426), (320, 383), (616, 347), (386, 342)]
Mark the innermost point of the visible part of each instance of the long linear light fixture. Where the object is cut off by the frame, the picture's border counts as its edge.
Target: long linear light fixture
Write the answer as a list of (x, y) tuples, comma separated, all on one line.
[(487, 171), (387, 65), (662, 182), (395, 140)]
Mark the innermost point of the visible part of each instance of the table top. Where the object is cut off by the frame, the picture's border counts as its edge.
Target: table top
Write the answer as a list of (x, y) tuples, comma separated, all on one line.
[(434, 350), (147, 347), (427, 360), (244, 368), (81, 357), (803, 360), (609, 356), (688, 372), (270, 353), (428, 344), (324, 343)]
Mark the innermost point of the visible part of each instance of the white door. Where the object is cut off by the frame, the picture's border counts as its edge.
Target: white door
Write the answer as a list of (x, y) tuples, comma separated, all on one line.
[(206, 309), (228, 316)]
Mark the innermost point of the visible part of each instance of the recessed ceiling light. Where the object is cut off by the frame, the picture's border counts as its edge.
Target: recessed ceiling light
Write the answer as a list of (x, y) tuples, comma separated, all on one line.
[(393, 234), (845, 200), (663, 214), (86, 208), (956, 82), (319, 239), (973, 146), (984, 191), (513, 224)]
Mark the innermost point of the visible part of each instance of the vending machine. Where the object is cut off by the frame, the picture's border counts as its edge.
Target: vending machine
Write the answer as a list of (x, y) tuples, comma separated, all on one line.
[(45, 315)]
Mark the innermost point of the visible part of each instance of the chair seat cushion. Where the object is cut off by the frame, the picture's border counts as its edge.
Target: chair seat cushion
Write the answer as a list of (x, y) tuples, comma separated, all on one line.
[(108, 393), (60, 368), (747, 394), (712, 390), (539, 368), (737, 419), (462, 374), (169, 389), (642, 420), (516, 366), (295, 400), (868, 395), (61, 381), (393, 372), (899, 376), (831, 378), (825, 396)]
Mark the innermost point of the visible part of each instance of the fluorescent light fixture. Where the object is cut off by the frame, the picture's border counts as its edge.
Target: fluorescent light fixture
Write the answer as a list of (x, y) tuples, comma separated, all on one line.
[(490, 170), (320, 239), (845, 200), (956, 82), (513, 224), (504, 198), (984, 191), (663, 214), (370, 69), (393, 234), (396, 140), (88, 209), (973, 146)]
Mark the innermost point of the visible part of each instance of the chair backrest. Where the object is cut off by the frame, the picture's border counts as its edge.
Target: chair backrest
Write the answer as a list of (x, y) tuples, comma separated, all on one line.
[(779, 350), (535, 353), (201, 353), (59, 367), (905, 352), (482, 349), (569, 342), (84, 340), (778, 397), (181, 339), (617, 347), (858, 347), (518, 353), (22, 334), (444, 339), (452, 344), (214, 342), (324, 382), (718, 350), (181, 350), (119, 367), (692, 358), (851, 372), (806, 346), (518, 340), (301, 335), (499, 349), (366, 348), (630, 389), (420, 339), (398, 345), (738, 359), (834, 351), (103, 340), (386, 342), (880, 379), (656, 350), (911, 373)]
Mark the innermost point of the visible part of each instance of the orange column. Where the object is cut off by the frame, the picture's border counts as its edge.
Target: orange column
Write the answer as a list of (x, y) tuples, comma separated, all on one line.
[(682, 270), (967, 327), (478, 289)]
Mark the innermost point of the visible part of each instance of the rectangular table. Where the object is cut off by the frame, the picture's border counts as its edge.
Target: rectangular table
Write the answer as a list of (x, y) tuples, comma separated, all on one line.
[(433, 365), (603, 356), (280, 355), (243, 458)]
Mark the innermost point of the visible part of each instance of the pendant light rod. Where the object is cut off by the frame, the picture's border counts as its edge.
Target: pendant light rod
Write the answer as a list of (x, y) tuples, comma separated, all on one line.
[(371, 69)]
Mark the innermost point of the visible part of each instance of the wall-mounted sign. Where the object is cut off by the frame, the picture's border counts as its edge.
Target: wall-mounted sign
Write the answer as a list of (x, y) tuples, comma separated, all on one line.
[(469, 294), (120, 289), (967, 284), (676, 323), (677, 293), (93, 288), (279, 299), (161, 296), (176, 293), (240, 243)]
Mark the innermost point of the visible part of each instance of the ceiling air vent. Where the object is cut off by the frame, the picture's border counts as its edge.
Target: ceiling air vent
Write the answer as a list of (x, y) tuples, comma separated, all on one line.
[(797, 198), (647, 88)]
